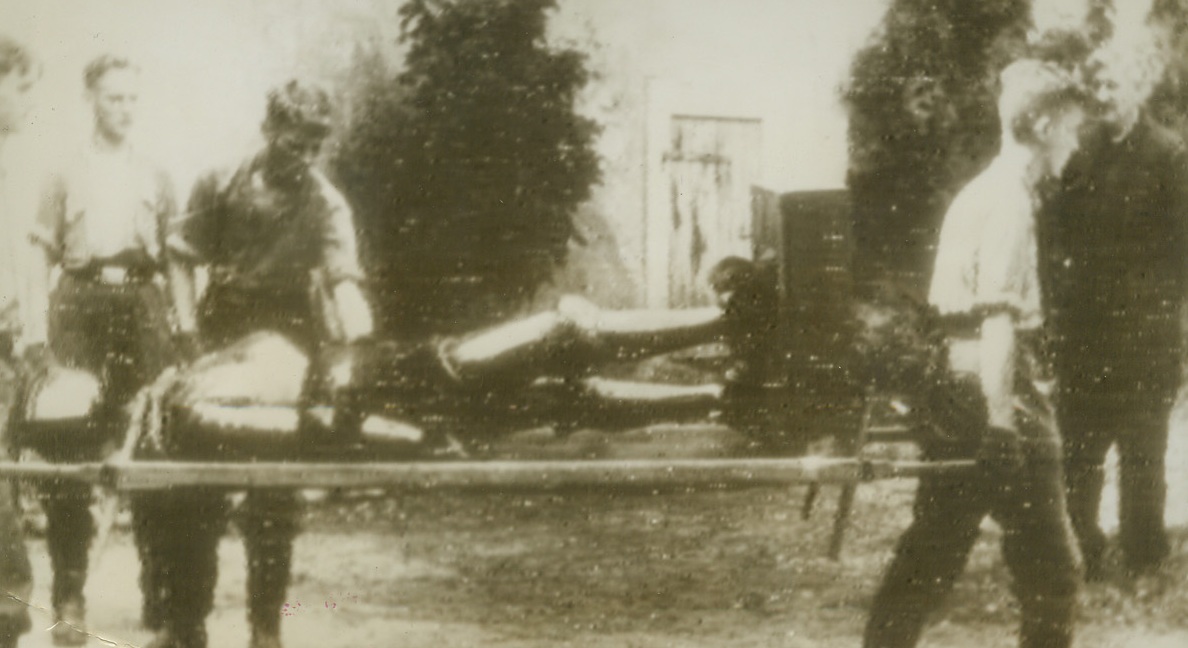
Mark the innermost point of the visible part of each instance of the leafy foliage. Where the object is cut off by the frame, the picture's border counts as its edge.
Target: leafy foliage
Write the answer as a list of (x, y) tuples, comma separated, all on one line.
[(923, 121), (923, 118), (1169, 103), (466, 166)]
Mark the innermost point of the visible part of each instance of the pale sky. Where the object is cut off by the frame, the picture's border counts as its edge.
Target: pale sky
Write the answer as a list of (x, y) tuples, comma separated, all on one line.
[(206, 65), (783, 61)]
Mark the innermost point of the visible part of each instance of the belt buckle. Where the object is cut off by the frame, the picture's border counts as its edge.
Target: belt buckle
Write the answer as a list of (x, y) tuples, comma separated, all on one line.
[(113, 274)]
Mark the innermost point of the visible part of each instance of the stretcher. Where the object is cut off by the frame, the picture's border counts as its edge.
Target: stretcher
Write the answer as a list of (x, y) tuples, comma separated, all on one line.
[(201, 428)]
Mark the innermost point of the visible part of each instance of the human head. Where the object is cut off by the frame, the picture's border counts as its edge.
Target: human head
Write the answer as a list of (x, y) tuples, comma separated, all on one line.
[(296, 125), (729, 277), (18, 73), (113, 88), (1119, 85), (1042, 108)]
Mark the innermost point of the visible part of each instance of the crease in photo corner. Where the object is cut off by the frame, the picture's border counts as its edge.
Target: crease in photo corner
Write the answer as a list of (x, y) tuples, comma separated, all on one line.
[(107, 641)]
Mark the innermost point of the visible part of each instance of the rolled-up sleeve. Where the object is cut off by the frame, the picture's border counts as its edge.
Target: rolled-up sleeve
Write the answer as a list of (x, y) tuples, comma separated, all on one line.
[(339, 246)]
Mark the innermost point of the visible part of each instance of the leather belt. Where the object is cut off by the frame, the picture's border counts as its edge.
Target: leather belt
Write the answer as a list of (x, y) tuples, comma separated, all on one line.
[(961, 326), (113, 275)]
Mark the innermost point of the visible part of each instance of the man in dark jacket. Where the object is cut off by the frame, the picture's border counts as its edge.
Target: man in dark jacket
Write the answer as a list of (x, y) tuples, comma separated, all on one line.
[(1113, 256)]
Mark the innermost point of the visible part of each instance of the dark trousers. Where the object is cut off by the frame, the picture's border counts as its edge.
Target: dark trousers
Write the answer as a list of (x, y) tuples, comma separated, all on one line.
[(1135, 417), (120, 333), (1038, 544), (181, 527), (180, 530), (16, 576)]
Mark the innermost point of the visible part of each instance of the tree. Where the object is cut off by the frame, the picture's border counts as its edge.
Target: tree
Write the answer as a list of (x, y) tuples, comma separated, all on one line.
[(466, 167), (923, 121)]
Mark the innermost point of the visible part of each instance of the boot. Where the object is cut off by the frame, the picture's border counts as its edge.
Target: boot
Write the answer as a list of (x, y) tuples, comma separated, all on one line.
[(1047, 621), (70, 624)]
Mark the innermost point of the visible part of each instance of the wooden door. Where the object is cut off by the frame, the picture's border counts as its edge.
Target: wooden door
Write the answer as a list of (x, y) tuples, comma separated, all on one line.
[(706, 174)]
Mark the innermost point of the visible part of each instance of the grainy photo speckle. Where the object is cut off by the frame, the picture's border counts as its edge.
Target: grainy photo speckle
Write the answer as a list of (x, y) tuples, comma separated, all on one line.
[(593, 323)]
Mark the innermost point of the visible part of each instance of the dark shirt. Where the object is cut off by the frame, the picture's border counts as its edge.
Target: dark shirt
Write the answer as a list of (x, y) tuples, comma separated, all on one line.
[(257, 237)]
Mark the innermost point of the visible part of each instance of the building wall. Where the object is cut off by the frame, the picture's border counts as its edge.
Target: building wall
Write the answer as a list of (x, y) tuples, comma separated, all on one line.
[(783, 62)]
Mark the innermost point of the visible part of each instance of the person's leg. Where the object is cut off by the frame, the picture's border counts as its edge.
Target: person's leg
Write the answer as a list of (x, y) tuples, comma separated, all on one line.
[(269, 520), (929, 557), (81, 316), (16, 575), (68, 532), (147, 351), (1040, 550), (182, 533), (148, 533), (1087, 436), (1038, 542), (1142, 486)]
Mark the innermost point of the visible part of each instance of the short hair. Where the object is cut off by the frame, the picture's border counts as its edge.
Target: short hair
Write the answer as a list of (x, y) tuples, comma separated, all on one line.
[(300, 105), (1032, 90), (103, 64), (731, 272), (14, 57)]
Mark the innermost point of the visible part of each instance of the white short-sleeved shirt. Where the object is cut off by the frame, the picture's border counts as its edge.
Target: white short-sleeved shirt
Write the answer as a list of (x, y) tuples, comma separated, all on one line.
[(105, 204), (986, 260)]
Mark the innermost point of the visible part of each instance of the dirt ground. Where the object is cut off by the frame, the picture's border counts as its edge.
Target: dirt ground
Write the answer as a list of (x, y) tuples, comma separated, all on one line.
[(708, 567)]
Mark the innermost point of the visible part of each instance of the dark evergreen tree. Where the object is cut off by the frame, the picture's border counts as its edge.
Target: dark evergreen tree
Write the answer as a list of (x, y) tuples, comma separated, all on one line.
[(466, 167), (923, 121)]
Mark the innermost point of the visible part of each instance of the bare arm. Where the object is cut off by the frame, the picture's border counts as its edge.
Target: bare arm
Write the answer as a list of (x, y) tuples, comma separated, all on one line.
[(41, 252), (342, 266), (997, 365), (188, 239)]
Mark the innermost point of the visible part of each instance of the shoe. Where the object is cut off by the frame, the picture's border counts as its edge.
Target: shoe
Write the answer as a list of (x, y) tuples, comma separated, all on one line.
[(151, 617), (70, 626), (1149, 560), (11, 631), (162, 639), (264, 640), (195, 638)]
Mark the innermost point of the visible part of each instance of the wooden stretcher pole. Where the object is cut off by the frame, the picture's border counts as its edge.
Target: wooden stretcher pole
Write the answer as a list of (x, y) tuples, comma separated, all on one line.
[(156, 475), (38, 471)]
